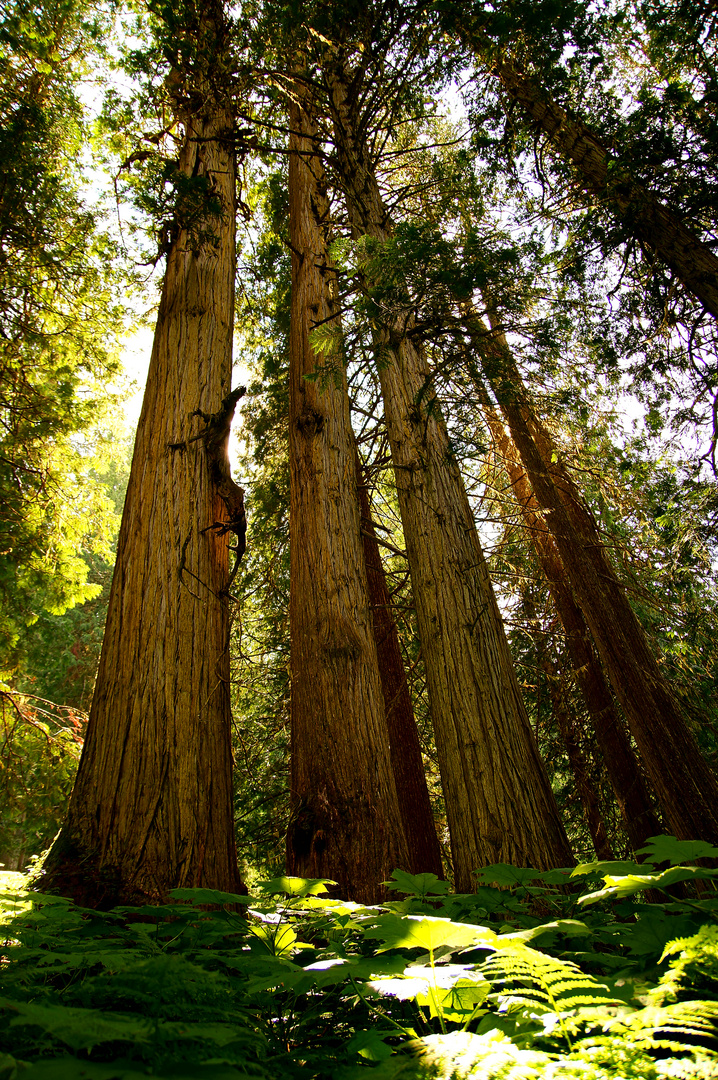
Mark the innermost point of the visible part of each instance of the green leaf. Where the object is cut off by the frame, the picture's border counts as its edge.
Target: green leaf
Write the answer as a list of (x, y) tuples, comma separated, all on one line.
[(629, 884), (503, 874), (295, 886), (425, 932), (370, 1045), (420, 885), (80, 1029), (209, 896), (278, 938), (660, 849)]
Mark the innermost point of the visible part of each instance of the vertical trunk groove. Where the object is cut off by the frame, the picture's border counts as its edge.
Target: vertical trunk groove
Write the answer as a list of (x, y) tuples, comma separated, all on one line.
[(500, 807), (152, 804), (684, 784), (571, 738), (622, 767), (406, 759), (346, 821)]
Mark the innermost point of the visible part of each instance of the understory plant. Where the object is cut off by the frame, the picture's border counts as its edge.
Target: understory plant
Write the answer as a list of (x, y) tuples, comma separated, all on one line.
[(570, 973)]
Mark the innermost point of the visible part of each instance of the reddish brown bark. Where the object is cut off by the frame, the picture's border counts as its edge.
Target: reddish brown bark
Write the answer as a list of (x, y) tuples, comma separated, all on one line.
[(623, 770), (152, 806), (685, 786), (346, 822), (571, 738), (500, 807), (406, 758)]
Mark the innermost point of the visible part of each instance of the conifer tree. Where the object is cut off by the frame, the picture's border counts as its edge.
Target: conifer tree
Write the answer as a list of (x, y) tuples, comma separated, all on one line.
[(346, 819), (152, 804), (500, 807)]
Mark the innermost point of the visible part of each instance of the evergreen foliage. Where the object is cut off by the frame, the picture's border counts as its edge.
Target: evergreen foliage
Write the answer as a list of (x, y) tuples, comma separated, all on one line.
[(59, 320)]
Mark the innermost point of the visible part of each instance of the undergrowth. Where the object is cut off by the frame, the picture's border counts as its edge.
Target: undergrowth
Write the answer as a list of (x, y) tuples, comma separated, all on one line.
[(288, 983)]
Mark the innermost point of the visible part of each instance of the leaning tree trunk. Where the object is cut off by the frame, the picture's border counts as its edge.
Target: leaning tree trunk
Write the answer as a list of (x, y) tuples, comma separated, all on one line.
[(602, 174), (346, 823), (622, 768), (570, 733), (684, 784), (406, 759), (500, 807), (152, 804)]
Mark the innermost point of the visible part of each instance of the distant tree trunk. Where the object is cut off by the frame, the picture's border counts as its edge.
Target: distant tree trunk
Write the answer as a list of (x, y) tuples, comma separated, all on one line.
[(406, 760), (500, 807), (152, 806), (571, 737), (346, 822), (623, 770), (685, 786), (602, 174)]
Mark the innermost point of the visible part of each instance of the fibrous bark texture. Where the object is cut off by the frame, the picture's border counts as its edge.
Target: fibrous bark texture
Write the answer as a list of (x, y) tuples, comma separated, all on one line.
[(346, 822), (622, 767), (685, 786), (406, 758), (500, 807), (571, 737), (152, 805)]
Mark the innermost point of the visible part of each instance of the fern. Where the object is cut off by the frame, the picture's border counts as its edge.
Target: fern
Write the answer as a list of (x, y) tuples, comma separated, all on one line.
[(694, 969), (679, 1028), (534, 980)]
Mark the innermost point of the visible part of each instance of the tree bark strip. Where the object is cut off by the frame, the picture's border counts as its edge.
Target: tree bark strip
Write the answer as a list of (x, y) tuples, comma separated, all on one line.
[(570, 736), (152, 805), (622, 767), (684, 784), (500, 807), (406, 759), (346, 821)]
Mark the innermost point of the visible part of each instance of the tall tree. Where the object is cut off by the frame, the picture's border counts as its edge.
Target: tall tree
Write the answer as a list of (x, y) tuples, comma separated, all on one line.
[(152, 805), (684, 784), (500, 807), (346, 819), (622, 767), (406, 758), (598, 168)]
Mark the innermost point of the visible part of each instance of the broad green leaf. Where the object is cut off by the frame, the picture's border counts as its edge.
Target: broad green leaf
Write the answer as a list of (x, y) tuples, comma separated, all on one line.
[(370, 1045), (80, 1029), (456, 1002), (278, 938), (426, 932), (503, 874), (295, 886), (632, 883), (609, 866), (660, 849), (417, 884)]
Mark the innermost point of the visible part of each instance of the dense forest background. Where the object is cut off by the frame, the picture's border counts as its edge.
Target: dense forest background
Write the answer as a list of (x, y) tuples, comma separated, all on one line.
[(531, 289)]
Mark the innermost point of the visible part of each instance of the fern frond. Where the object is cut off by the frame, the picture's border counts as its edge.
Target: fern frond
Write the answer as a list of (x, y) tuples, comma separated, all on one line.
[(531, 979), (681, 1027)]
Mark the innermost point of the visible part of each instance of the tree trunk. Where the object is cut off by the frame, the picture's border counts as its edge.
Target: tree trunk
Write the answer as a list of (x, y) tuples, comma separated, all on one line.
[(346, 821), (500, 807), (623, 770), (685, 786), (406, 760), (602, 174), (571, 738), (152, 805)]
